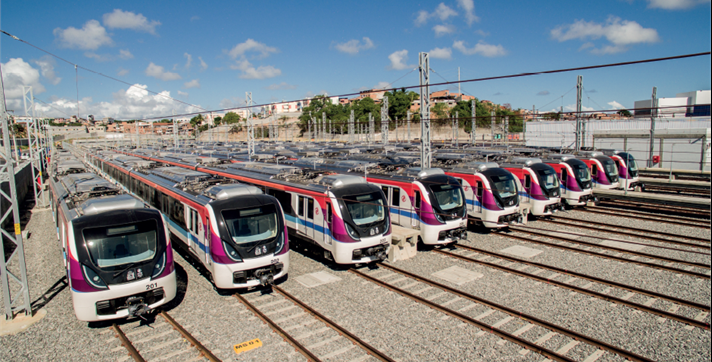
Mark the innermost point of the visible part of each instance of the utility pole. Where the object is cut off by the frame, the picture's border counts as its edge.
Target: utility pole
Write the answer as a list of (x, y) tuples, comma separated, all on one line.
[(34, 146), (384, 121), (351, 127), (408, 125), (492, 128), (323, 126), (454, 130), (371, 129), (16, 273), (473, 131), (309, 123), (250, 127), (653, 115), (175, 131), (579, 127), (425, 147), (506, 132)]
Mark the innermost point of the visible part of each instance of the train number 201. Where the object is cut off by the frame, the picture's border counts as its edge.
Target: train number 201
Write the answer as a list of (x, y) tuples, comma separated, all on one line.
[(151, 286)]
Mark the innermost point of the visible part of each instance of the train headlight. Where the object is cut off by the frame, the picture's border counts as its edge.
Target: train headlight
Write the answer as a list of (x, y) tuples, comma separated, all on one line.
[(280, 244), (93, 278), (159, 266), (440, 218), (354, 235), (231, 252)]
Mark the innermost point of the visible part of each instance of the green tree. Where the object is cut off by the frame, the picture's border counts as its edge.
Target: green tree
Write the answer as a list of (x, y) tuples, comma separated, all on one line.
[(624, 113), (231, 118), (439, 111), (197, 120), (552, 115), (217, 120), (399, 103)]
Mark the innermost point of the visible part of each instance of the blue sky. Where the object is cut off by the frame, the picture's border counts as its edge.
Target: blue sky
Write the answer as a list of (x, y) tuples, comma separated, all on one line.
[(210, 53)]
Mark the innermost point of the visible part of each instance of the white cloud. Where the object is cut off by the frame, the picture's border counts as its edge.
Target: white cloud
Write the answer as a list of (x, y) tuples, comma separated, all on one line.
[(572, 108), (354, 46), (482, 33), (481, 48), (281, 86), (616, 105), (441, 53), (15, 74), (422, 18), (620, 33), (195, 83), (188, 60), (125, 54), (46, 65), (382, 85), (98, 57), (128, 20), (203, 64), (675, 4), (122, 72), (183, 94), (250, 72), (399, 60), (443, 29), (91, 36), (469, 7), (443, 12), (250, 45), (159, 72)]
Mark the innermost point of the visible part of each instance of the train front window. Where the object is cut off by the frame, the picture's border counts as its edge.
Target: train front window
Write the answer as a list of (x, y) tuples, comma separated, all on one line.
[(253, 224), (610, 167), (448, 196), (365, 209), (582, 172), (504, 185), (548, 178), (121, 244)]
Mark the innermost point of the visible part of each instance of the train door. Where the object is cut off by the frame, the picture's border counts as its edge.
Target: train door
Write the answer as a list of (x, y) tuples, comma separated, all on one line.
[(527, 185), (393, 196), (479, 192), (194, 226), (415, 212), (305, 214), (328, 218)]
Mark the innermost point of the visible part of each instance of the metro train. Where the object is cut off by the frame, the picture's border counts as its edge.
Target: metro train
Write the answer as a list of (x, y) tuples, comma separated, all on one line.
[(541, 188), (116, 250), (236, 232), (627, 169), (574, 179), (604, 171), (426, 200), (342, 215)]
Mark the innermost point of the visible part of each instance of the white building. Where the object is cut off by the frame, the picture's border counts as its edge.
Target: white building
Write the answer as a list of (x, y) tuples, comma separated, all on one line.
[(688, 104)]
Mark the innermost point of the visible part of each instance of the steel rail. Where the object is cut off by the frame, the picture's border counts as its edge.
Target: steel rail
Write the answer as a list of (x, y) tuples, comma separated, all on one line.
[(580, 235), (603, 296), (485, 327), (367, 347), (133, 352), (297, 346), (649, 217), (193, 342), (655, 206), (563, 271), (635, 229), (620, 250), (651, 265)]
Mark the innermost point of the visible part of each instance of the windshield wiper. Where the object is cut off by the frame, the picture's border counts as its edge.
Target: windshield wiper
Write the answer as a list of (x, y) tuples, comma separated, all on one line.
[(131, 265), (256, 245)]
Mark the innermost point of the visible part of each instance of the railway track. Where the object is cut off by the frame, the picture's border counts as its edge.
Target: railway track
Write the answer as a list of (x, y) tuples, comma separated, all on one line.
[(631, 231), (317, 333), (668, 307), (648, 217), (668, 210), (617, 257), (161, 340), (527, 331)]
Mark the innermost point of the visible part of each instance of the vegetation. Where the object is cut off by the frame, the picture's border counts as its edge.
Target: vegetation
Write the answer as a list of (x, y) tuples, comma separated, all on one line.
[(624, 113)]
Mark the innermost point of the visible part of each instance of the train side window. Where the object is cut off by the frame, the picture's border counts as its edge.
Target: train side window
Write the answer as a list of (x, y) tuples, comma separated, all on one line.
[(385, 191), (417, 199), (190, 220), (300, 206), (310, 208), (395, 200), (527, 181), (564, 175), (479, 189), (328, 212), (594, 170)]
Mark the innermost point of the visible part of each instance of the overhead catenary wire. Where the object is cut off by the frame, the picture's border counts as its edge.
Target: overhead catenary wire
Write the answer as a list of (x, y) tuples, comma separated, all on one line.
[(509, 76)]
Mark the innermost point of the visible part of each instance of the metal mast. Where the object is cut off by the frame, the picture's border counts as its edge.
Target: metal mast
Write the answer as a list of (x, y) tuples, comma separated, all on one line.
[(491, 129), (351, 127), (579, 127), (371, 129), (473, 131), (425, 150), (653, 115), (34, 146), (250, 127), (384, 121), (407, 126), (455, 129), (14, 259)]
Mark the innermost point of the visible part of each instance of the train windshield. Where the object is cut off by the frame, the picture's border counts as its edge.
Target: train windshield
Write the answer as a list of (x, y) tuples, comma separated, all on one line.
[(253, 224), (448, 196), (629, 161), (548, 178), (504, 185), (611, 168), (121, 244), (582, 172), (365, 209)]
